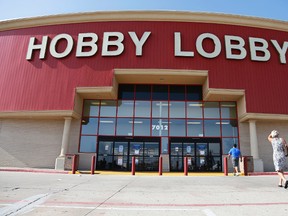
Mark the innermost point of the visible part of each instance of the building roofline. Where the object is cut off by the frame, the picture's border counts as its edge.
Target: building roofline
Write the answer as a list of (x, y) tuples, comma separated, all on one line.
[(169, 16)]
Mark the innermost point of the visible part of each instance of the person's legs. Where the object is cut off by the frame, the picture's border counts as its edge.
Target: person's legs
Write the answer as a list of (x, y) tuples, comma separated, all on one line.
[(282, 178)]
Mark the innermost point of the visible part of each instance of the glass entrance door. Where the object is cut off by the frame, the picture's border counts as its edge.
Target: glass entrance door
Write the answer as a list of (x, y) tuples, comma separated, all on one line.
[(115, 153), (204, 154)]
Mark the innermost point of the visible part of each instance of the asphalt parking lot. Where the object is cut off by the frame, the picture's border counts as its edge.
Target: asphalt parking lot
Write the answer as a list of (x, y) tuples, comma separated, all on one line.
[(26, 193)]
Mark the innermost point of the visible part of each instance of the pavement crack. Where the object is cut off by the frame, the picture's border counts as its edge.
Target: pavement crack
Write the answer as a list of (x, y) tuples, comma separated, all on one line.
[(108, 198)]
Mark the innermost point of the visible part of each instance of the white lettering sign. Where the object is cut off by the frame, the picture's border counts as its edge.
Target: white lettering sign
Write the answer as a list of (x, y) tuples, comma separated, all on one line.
[(112, 45)]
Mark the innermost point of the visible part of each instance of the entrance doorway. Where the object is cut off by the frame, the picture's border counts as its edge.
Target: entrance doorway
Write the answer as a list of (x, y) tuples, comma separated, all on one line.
[(115, 153), (204, 154)]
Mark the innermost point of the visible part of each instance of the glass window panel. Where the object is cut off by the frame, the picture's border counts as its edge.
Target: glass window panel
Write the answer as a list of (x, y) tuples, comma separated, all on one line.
[(177, 92), (160, 109), (228, 143), (91, 108), (211, 110), (214, 149), (136, 148), (189, 149), (160, 127), (176, 149), (194, 93), (151, 149), (125, 108), (126, 92), (142, 109), (107, 126), (177, 127), (108, 108), (164, 145), (142, 127), (124, 126), (195, 128), (212, 128), (88, 143), (143, 92), (229, 128), (89, 125), (159, 92), (105, 148), (201, 149), (121, 148), (194, 110), (228, 110), (177, 109)]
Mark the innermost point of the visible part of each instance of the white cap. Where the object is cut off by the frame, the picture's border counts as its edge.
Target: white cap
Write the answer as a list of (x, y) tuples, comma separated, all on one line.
[(274, 133)]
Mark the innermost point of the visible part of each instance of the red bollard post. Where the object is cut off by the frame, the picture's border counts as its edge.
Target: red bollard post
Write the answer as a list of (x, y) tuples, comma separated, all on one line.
[(225, 166), (93, 164), (245, 166), (133, 166), (74, 164), (160, 165), (185, 166)]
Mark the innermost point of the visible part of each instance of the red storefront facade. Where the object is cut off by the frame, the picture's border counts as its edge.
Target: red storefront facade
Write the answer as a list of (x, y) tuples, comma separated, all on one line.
[(50, 65)]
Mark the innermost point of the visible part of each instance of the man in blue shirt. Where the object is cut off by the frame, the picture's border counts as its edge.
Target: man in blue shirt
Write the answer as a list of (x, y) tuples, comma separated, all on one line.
[(236, 154)]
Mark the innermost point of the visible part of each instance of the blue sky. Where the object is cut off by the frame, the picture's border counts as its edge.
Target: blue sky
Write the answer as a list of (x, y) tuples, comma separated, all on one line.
[(11, 9)]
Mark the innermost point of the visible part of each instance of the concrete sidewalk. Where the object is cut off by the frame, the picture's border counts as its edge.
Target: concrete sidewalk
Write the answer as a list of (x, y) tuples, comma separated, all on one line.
[(32, 194)]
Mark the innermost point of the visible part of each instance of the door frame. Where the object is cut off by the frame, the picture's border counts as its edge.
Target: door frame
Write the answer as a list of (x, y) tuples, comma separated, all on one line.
[(193, 157), (128, 159)]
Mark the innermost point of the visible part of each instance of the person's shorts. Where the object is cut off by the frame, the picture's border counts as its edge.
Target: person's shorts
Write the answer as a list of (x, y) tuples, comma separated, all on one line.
[(235, 162)]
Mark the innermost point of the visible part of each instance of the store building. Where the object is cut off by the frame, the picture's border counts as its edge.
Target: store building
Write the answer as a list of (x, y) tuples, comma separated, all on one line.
[(143, 84)]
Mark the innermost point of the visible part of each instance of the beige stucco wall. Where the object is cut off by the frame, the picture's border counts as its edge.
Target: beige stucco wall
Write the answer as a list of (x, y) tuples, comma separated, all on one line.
[(34, 143)]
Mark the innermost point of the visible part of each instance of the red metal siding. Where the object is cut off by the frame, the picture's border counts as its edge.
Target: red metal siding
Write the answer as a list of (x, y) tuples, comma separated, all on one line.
[(49, 84)]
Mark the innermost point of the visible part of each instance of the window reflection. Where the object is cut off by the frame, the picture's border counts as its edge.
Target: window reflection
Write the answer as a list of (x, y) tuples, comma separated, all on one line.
[(177, 127), (125, 108), (107, 126), (211, 110), (228, 143), (142, 127), (160, 127), (212, 128), (88, 143), (177, 109), (142, 109), (195, 128), (91, 108), (108, 108), (229, 128), (124, 126), (228, 110), (89, 125), (194, 110), (160, 109)]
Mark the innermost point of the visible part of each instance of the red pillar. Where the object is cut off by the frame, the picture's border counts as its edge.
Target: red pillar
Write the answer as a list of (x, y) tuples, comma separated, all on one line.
[(225, 166), (74, 160), (245, 166), (185, 166), (133, 166), (160, 165), (93, 164)]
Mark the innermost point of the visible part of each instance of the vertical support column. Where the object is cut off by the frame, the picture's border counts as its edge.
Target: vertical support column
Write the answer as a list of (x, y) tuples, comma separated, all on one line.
[(225, 166), (60, 160), (133, 166), (185, 166), (258, 163), (65, 137), (93, 159), (160, 165)]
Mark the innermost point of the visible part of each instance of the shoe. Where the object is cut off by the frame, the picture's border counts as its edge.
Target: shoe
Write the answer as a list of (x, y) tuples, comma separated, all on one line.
[(286, 184), (280, 185), (237, 174)]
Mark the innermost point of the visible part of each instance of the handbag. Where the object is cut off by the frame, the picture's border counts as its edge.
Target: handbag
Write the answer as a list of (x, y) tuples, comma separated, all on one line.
[(285, 146)]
